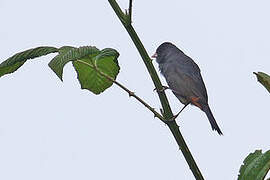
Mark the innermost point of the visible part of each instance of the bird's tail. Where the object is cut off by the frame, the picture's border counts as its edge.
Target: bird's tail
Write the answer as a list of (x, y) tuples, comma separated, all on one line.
[(211, 119)]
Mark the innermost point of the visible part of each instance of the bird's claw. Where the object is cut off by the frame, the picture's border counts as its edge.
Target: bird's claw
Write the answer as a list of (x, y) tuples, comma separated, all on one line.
[(175, 116), (162, 89)]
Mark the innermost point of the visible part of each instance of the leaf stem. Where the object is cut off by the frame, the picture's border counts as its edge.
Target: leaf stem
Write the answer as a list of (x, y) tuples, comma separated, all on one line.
[(130, 93), (167, 112)]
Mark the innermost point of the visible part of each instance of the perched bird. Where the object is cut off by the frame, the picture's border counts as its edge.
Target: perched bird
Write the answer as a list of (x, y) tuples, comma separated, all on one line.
[(184, 79)]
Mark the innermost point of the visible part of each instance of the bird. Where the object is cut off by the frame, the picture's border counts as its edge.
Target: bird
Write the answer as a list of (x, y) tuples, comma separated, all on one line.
[(184, 78)]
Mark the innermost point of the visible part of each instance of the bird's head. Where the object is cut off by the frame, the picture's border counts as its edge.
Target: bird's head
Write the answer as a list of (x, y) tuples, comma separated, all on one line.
[(164, 51)]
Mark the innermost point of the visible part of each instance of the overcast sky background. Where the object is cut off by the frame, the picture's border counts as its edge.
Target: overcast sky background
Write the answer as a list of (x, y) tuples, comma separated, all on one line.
[(51, 130)]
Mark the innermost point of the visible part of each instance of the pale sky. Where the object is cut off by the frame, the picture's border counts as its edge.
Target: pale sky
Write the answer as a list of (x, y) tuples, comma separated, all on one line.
[(54, 130)]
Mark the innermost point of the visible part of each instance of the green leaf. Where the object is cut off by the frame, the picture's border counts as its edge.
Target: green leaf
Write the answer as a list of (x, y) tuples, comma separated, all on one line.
[(67, 54), (255, 167), (96, 70), (91, 70), (56, 64), (264, 79), (16, 61)]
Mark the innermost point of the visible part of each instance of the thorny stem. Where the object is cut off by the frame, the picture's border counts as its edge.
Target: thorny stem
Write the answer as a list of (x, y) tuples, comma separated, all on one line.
[(130, 93), (166, 109), (146, 59)]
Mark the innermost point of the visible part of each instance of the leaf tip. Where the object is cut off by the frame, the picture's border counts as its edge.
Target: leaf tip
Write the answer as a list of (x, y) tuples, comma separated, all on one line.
[(59, 74)]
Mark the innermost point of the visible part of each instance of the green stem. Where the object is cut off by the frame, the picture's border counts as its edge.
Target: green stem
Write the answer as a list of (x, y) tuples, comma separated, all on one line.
[(130, 11), (184, 148), (146, 59), (167, 112)]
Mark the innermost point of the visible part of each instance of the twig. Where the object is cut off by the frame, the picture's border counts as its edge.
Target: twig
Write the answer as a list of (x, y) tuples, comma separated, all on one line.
[(130, 11), (130, 93)]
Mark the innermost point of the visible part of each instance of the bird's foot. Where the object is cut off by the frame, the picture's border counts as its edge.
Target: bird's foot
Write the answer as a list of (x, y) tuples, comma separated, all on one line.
[(174, 117), (162, 89)]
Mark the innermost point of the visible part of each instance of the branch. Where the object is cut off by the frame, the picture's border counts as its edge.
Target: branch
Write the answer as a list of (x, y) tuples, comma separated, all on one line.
[(130, 11), (146, 59), (167, 112), (130, 93)]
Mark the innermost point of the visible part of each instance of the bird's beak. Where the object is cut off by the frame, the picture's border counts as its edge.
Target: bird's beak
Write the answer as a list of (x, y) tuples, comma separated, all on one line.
[(154, 55)]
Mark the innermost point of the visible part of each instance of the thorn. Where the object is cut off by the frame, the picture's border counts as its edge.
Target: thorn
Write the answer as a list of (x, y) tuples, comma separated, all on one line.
[(161, 111), (155, 116), (131, 94), (126, 11)]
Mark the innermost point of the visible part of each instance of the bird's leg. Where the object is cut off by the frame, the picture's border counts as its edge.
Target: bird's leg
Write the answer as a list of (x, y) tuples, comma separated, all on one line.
[(174, 117), (161, 90)]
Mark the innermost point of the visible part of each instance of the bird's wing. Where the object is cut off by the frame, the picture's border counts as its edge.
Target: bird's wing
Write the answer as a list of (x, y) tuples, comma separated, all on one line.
[(185, 80)]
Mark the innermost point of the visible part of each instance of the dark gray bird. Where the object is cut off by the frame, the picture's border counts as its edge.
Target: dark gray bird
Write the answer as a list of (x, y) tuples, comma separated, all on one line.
[(184, 79)]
